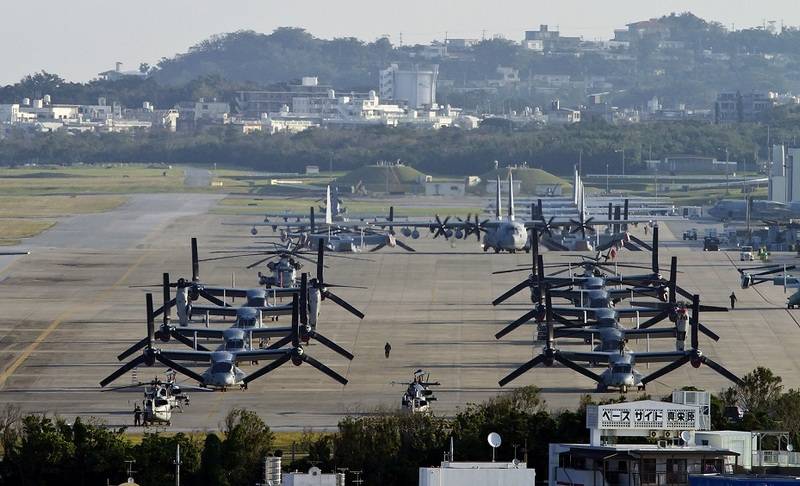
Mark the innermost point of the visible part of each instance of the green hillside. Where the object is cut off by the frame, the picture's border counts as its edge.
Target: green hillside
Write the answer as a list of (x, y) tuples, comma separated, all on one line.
[(375, 178), (528, 177)]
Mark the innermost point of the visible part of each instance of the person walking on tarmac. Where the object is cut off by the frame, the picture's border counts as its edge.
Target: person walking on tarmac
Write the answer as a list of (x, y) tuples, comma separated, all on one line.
[(733, 300), (387, 349), (137, 415)]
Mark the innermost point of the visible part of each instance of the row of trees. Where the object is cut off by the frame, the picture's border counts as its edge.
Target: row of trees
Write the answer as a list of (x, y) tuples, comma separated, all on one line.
[(450, 152), (41, 450), (387, 446)]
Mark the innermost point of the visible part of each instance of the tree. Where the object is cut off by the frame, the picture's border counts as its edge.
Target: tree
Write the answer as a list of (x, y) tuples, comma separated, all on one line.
[(212, 472), (760, 391), (247, 442)]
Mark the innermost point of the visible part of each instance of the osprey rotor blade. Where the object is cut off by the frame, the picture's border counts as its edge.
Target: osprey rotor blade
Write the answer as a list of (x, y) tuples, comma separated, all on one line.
[(185, 340), (666, 369), (342, 303), (378, 247), (316, 364), (522, 320), (213, 299), (721, 370), (136, 347), (266, 369), (331, 345), (521, 370), (404, 246), (576, 367), (511, 292), (179, 368), (123, 369), (640, 243)]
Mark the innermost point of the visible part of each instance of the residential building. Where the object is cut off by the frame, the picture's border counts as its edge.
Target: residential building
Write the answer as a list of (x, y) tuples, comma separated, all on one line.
[(307, 96), (552, 40), (117, 73), (735, 107)]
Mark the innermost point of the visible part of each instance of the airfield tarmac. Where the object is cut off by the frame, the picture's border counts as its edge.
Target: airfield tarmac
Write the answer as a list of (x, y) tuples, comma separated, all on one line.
[(68, 311)]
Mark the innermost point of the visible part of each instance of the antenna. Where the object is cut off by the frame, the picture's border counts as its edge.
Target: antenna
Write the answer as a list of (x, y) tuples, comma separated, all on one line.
[(494, 441)]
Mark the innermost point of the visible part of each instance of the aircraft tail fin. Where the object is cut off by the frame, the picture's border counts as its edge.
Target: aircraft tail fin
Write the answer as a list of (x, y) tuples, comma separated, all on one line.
[(497, 202), (510, 195), (328, 216)]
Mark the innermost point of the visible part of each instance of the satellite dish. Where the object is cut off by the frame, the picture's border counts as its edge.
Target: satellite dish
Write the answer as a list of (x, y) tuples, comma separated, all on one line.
[(685, 436), (789, 447), (494, 441)]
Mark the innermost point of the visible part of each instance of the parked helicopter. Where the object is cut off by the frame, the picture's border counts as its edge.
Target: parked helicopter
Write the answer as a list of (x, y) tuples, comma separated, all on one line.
[(418, 395), (788, 281)]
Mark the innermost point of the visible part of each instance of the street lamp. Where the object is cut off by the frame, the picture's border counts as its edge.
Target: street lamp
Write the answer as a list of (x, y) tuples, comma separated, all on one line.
[(607, 191), (623, 158)]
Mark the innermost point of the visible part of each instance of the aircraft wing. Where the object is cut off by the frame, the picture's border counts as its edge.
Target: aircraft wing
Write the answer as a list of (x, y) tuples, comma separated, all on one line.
[(588, 356), (657, 356), (226, 291), (214, 310), (203, 332), (260, 332), (197, 356), (653, 332), (261, 354)]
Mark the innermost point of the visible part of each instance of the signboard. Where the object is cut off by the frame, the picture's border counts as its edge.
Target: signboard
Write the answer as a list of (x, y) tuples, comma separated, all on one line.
[(643, 415)]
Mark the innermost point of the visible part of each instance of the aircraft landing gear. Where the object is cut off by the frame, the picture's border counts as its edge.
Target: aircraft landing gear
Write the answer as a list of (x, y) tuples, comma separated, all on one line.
[(623, 389)]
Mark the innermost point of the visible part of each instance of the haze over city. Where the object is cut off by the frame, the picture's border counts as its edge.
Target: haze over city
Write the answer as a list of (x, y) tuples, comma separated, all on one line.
[(79, 39)]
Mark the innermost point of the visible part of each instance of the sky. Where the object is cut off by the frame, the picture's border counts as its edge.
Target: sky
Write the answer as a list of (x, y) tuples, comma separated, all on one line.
[(79, 38)]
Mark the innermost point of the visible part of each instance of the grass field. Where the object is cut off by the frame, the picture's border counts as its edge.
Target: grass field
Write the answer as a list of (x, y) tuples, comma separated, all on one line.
[(13, 230), (26, 216)]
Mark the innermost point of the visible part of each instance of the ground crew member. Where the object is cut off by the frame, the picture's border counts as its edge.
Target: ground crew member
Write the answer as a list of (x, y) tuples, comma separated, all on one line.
[(387, 349), (733, 300), (137, 415)]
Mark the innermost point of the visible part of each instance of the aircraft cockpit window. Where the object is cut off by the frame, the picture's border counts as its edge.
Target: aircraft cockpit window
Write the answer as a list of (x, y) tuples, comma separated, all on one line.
[(621, 368), (234, 344), (221, 368)]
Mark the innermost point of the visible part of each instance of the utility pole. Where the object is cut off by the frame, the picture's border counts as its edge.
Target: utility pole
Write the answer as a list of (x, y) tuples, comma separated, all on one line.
[(607, 191), (178, 465)]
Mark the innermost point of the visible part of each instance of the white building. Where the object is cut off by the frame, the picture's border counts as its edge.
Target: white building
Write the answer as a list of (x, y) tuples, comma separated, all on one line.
[(414, 86), (314, 477), (477, 474)]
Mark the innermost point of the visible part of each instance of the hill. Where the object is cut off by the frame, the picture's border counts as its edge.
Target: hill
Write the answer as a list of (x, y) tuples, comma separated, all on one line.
[(529, 178), (379, 178)]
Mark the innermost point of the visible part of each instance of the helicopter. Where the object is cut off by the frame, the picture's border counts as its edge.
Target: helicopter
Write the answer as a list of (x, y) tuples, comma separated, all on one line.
[(418, 395), (161, 399)]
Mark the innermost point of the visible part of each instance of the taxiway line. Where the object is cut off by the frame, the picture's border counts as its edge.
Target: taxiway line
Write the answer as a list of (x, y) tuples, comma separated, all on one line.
[(26, 353)]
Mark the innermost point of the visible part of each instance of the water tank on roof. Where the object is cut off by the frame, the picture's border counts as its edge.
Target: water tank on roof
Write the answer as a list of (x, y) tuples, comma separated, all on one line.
[(46, 99)]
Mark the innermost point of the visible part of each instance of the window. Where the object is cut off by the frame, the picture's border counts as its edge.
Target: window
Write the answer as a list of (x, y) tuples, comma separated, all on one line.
[(224, 367)]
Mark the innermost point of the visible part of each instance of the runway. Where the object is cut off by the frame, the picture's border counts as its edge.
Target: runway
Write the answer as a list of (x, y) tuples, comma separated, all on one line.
[(68, 311)]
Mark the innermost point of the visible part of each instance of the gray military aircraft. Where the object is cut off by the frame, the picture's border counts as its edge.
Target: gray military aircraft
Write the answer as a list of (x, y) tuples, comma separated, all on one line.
[(737, 210), (223, 371), (621, 373)]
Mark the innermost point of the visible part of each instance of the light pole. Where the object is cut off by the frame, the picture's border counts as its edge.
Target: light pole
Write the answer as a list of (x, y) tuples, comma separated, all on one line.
[(607, 191), (623, 158)]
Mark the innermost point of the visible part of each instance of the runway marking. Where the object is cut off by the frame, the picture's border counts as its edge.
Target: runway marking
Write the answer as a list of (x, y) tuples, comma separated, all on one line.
[(6, 374)]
